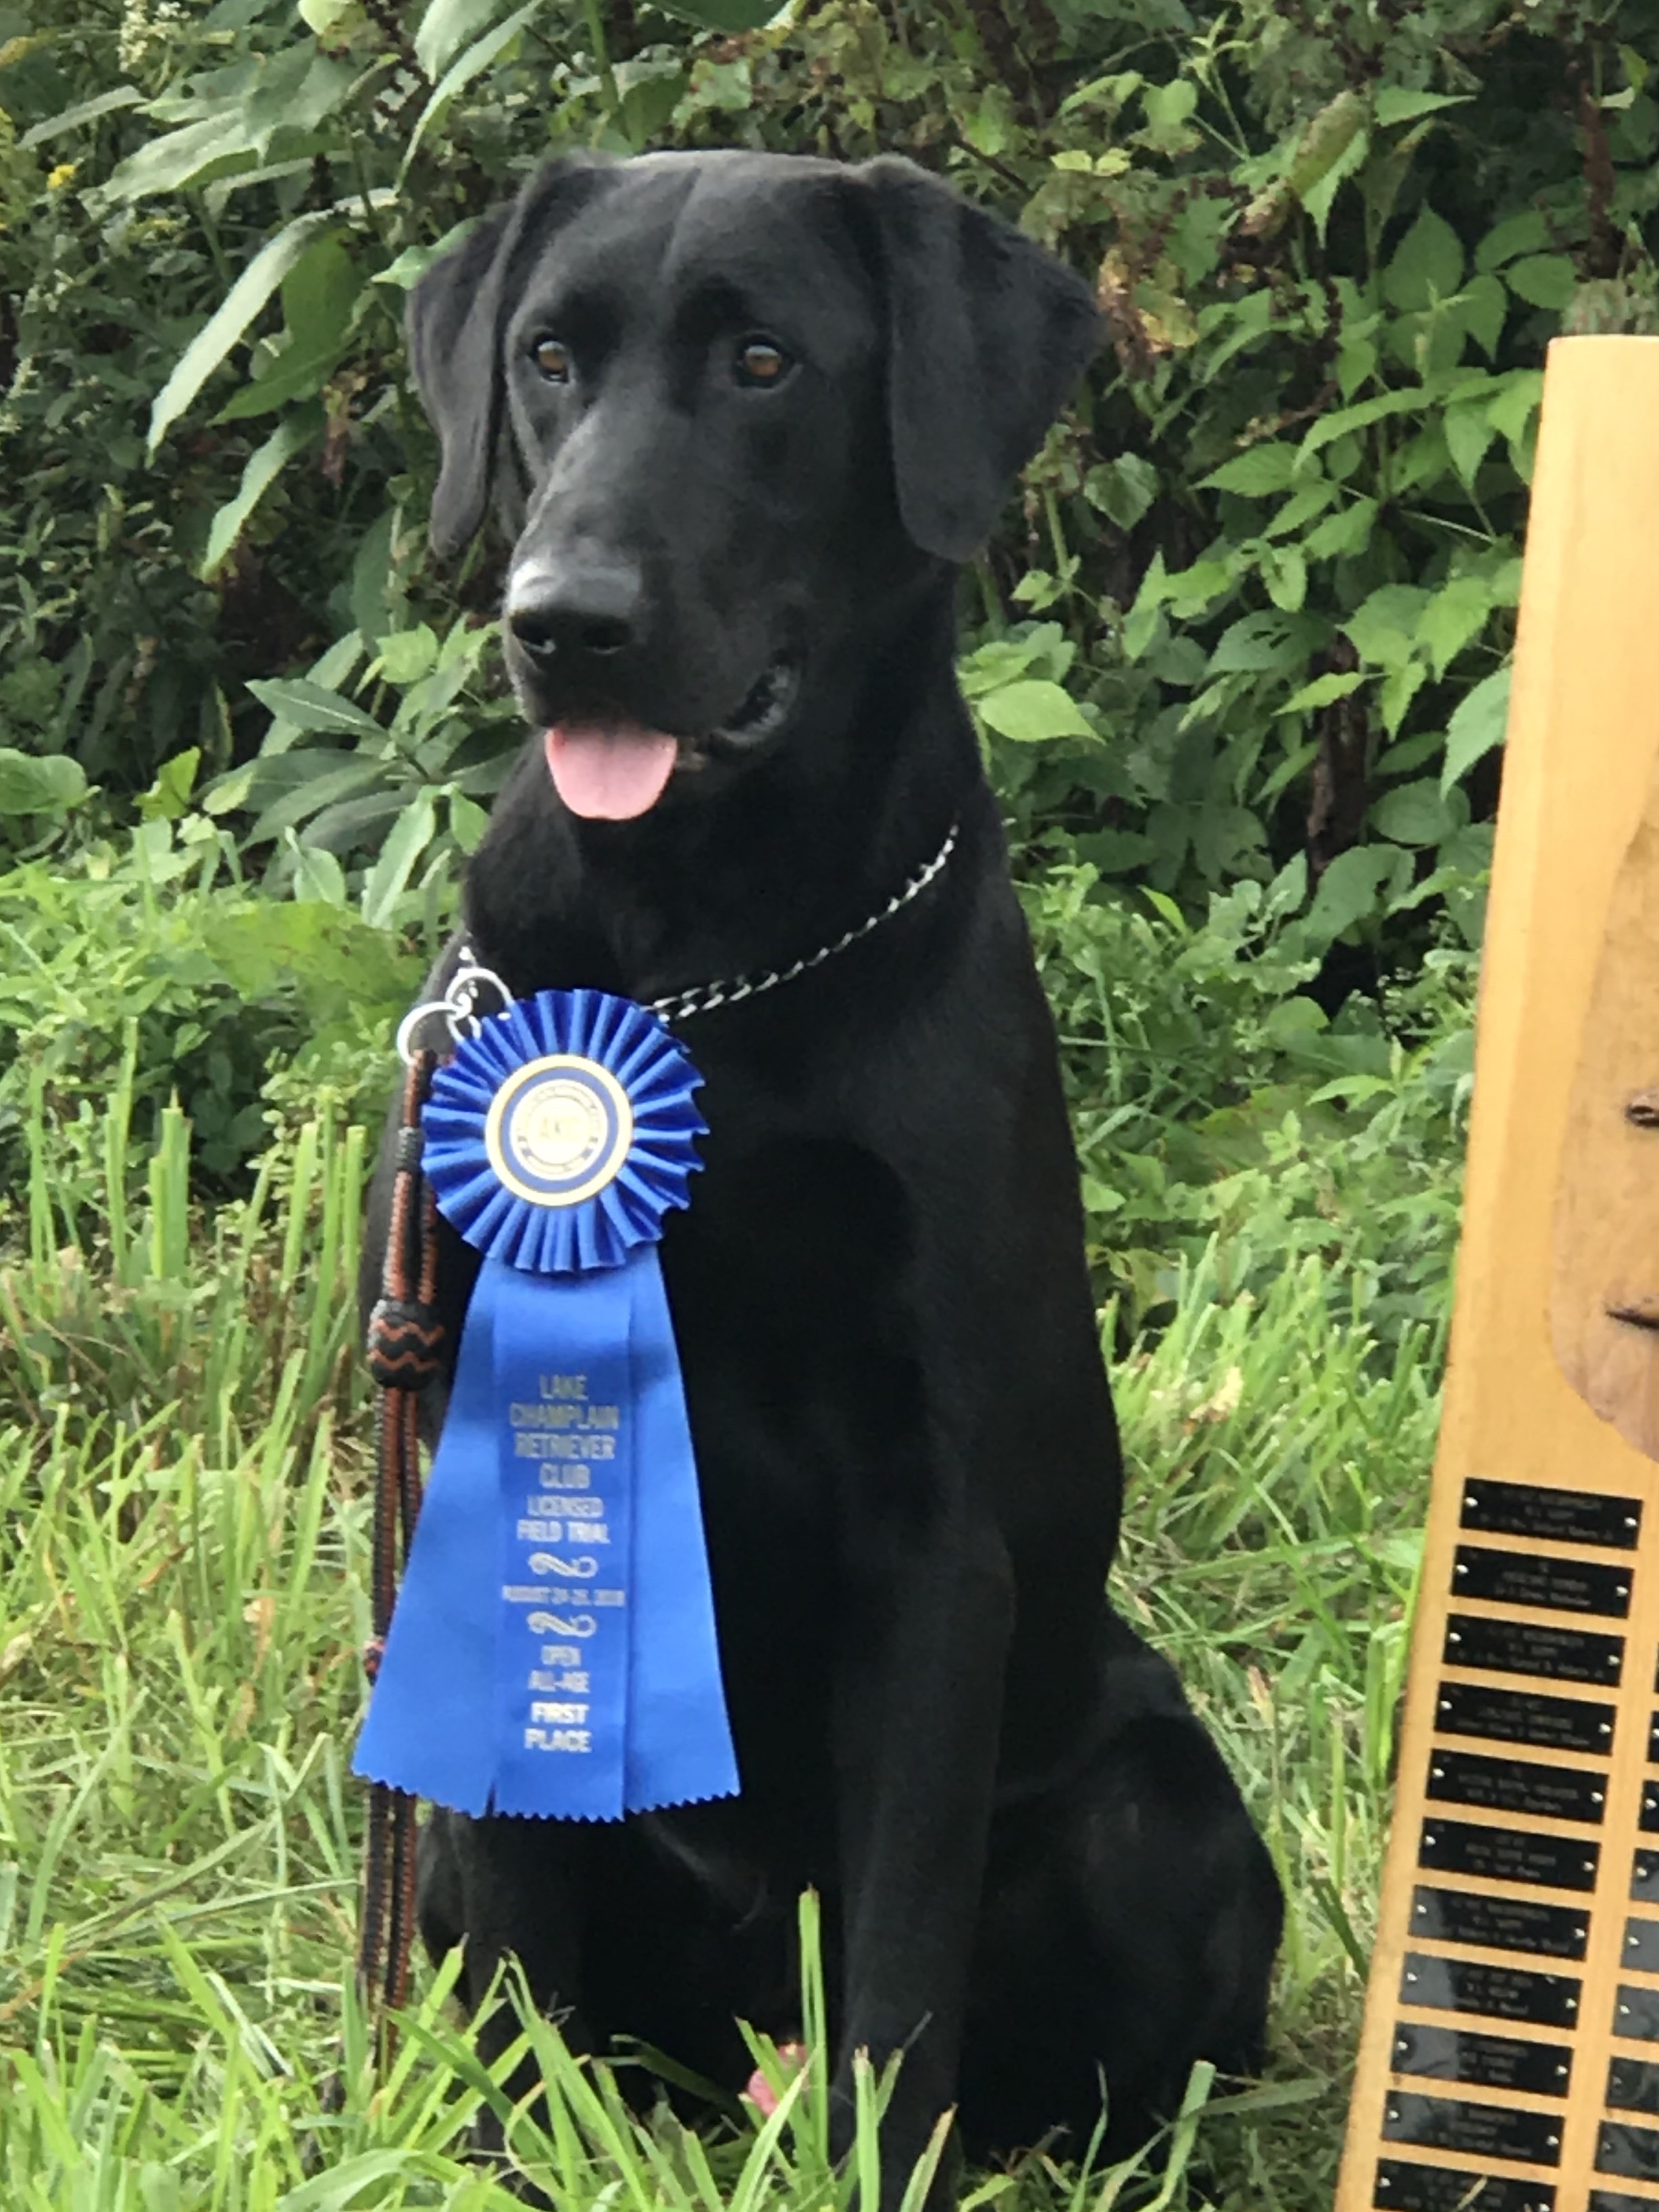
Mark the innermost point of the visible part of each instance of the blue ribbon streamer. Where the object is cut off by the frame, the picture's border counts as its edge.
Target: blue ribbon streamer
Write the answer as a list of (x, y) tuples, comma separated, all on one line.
[(553, 1651)]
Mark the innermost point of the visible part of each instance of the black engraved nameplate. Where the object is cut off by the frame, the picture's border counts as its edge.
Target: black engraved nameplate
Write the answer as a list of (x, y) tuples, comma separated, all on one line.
[(1627, 2150), (1644, 1878), (1449, 2188), (1445, 2188), (1519, 1647), (1637, 2012), (1641, 1948), (1563, 1517), (1525, 1716), (1607, 2200), (1479, 2130), (1500, 1923), (1483, 2062), (1517, 1786), (1648, 1818), (1496, 1993), (1508, 1855), (1633, 2086), (1531, 1579)]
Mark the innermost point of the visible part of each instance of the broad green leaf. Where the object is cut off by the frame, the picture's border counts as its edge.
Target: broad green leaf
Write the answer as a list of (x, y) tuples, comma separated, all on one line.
[(1325, 690), (39, 783), (467, 821), (1348, 889), (247, 295), (461, 71), (85, 111), (310, 705), (1456, 614), (1257, 473), (1327, 138), (1543, 280), (1122, 489), (297, 89), (411, 834), (317, 875), (447, 27), (1400, 686), (1300, 508), (1511, 410), (1383, 627), (1329, 428), (1395, 104), (1346, 532), (1518, 233), (318, 296), (1477, 726), (409, 654), (1484, 307), (1468, 432), (1266, 639), (1319, 195), (261, 470), (1032, 711), (179, 158), (1427, 265), (1414, 814), (728, 15), (1285, 573)]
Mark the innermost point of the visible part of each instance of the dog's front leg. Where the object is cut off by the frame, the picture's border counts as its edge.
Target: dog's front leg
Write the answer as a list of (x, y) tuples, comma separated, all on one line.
[(918, 1704)]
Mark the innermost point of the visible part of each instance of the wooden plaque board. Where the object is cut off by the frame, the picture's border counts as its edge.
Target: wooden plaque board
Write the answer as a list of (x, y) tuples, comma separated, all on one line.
[(1509, 2061)]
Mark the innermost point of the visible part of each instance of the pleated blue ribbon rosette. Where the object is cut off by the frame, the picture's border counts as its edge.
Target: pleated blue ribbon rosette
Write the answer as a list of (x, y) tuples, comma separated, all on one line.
[(553, 1651)]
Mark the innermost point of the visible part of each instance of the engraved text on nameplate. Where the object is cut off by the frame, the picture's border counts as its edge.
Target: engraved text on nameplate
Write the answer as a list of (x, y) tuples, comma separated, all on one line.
[(1495, 1992), (1532, 1578), (1484, 2062), (1446, 2189), (1524, 1716), (1500, 1923), (1521, 1647), (1508, 1855), (1563, 1517), (1481, 2130), (1517, 1786)]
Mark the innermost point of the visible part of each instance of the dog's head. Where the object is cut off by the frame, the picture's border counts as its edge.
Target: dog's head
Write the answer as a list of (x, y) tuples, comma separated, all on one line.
[(735, 406)]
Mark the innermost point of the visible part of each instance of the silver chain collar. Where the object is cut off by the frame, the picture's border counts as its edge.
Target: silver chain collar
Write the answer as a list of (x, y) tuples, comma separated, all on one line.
[(462, 1013)]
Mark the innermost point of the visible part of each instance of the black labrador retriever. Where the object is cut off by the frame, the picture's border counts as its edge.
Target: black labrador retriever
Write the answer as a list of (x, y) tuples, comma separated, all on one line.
[(744, 416)]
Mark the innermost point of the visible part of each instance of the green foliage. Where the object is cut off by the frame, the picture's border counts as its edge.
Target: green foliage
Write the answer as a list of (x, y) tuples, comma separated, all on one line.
[(148, 967), (1279, 538)]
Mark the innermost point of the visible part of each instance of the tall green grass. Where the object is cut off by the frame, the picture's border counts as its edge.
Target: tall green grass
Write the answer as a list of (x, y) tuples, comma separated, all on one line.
[(183, 1548)]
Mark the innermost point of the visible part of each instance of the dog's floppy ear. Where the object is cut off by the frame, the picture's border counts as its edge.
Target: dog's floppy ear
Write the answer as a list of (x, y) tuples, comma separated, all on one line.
[(454, 324), (985, 336)]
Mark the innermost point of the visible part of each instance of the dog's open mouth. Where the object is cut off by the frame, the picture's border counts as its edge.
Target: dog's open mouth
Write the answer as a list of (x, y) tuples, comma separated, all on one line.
[(617, 770)]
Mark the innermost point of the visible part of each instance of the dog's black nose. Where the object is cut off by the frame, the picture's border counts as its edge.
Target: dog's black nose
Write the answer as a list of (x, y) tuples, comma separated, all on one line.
[(585, 611)]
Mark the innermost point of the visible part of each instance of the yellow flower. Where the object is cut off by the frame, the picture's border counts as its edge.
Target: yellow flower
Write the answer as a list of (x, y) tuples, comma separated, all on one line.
[(62, 175)]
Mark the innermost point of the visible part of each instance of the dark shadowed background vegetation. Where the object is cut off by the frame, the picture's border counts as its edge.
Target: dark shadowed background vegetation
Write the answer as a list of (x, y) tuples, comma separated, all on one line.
[(1240, 653)]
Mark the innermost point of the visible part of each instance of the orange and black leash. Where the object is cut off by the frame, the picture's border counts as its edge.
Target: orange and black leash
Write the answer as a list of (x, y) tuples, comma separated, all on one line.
[(405, 1343)]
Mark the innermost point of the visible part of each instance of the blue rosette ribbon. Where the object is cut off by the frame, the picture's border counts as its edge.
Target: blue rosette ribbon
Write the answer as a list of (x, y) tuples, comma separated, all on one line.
[(553, 1652)]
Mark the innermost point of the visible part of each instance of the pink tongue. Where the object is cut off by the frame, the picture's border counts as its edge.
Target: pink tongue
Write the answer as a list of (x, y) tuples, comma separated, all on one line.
[(609, 771)]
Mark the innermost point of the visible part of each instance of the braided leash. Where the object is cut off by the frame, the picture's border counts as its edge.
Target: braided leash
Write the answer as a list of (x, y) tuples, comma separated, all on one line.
[(405, 1345)]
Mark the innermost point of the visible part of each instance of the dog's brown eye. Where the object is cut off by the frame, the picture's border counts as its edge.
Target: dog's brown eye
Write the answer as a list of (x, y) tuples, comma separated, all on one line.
[(552, 357), (761, 363)]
